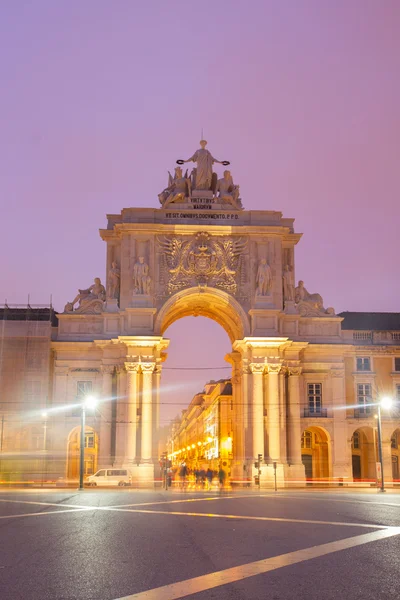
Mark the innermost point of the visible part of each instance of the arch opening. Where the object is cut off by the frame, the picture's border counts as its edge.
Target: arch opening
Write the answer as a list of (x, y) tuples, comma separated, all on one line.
[(363, 454), (73, 450), (316, 453), (211, 303)]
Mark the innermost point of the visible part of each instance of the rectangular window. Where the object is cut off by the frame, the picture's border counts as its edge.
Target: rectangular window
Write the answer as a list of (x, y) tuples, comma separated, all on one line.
[(89, 440), (314, 397), (363, 363), (398, 393), (397, 363), (306, 440), (356, 440), (364, 397), (83, 388)]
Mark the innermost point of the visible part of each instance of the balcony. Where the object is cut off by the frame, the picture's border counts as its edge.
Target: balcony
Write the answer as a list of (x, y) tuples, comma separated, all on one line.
[(316, 412), (363, 413)]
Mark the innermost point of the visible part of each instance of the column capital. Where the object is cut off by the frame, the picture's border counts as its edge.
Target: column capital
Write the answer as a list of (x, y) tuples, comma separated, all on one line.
[(108, 369), (257, 368), (132, 367), (294, 371), (273, 368), (148, 367)]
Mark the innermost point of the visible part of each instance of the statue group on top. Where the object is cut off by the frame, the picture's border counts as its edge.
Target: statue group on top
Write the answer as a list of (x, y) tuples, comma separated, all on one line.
[(201, 178)]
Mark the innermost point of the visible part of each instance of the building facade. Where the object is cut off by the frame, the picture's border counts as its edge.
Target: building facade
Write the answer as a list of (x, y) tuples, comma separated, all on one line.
[(303, 378)]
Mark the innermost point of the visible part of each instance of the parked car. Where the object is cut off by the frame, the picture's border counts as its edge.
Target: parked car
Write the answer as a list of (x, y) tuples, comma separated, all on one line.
[(106, 477)]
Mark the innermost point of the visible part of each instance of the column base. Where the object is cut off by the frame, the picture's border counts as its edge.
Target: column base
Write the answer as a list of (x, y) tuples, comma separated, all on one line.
[(342, 473), (142, 475), (295, 475)]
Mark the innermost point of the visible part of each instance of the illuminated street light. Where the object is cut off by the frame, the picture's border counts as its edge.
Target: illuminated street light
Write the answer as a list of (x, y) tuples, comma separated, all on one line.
[(386, 404), (88, 403)]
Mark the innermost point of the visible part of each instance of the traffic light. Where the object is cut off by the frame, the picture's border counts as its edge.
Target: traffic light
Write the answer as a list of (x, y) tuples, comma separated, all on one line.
[(257, 464)]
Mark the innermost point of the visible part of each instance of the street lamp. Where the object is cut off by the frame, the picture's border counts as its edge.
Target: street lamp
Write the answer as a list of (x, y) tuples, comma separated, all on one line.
[(386, 404), (89, 403), (44, 466)]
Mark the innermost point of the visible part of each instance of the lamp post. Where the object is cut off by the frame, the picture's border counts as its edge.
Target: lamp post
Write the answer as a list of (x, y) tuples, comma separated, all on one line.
[(386, 403), (45, 417), (88, 403)]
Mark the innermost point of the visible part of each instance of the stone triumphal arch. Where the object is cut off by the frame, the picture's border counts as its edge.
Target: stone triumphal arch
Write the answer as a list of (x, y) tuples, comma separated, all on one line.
[(199, 253)]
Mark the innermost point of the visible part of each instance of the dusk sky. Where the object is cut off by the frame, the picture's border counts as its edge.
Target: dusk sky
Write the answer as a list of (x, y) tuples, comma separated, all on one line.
[(99, 98)]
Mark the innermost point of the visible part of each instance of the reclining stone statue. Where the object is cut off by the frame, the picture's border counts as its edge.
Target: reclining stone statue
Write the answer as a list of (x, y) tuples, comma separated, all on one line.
[(90, 300)]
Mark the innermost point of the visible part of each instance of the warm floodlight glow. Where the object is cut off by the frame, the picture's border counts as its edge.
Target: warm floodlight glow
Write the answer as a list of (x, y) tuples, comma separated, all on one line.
[(199, 443), (193, 446), (386, 402), (188, 448), (209, 439), (90, 402)]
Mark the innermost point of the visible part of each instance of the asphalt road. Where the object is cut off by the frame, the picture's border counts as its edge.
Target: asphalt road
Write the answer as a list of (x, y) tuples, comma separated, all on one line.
[(108, 545)]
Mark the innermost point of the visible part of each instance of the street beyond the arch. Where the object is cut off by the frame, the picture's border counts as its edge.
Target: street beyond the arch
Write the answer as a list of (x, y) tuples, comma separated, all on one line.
[(158, 545)]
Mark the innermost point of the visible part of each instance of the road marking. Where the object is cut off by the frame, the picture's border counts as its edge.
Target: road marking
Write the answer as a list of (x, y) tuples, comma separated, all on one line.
[(119, 505), (305, 497), (39, 514), (195, 585), (126, 508), (178, 501), (245, 517)]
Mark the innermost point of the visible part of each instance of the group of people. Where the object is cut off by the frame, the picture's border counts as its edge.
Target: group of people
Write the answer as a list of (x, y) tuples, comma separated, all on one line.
[(201, 478)]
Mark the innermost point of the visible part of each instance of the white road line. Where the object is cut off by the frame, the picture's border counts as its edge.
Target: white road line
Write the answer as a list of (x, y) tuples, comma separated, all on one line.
[(247, 518), (195, 585), (119, 505), (305, 497), (126, 508), (40, 514), (177, 501), (43, 503)]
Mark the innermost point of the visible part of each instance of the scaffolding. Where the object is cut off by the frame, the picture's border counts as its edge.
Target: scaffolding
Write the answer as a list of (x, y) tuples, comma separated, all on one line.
[(25, 362)]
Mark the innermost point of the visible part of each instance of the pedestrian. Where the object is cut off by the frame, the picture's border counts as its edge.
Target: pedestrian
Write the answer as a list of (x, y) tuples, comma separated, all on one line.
[(209, 477), (221, 477), (183, 471)]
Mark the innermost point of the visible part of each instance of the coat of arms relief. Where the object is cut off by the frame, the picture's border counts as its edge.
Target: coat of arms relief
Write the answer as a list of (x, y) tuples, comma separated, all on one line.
[(203, 260)]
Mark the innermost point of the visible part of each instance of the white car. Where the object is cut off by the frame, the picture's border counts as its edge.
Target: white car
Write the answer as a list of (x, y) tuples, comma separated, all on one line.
[(105, 477)]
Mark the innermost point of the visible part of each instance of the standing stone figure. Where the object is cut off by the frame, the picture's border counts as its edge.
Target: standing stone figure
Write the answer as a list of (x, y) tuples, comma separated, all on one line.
[(141, 278), (228, 191), (264, 278), (205, 161), (288, 288), (114, 276)]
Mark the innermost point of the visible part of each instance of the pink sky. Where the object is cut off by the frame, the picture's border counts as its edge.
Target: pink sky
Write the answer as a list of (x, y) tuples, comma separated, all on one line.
[(99, 98)]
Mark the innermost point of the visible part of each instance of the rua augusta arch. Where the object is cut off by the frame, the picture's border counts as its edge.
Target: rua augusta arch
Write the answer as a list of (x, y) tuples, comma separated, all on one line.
[(200, 253)]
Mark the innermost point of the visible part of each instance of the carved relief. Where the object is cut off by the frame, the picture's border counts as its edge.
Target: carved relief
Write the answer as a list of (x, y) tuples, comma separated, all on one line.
[(202, 260)]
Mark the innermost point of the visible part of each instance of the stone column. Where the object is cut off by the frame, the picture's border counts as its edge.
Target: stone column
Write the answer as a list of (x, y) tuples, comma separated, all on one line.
[(273, 412), (106, 412), (147, 410), (257, 370), (238, 452), (294, 416), (132, 369), (282, 413), (340, 455)]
